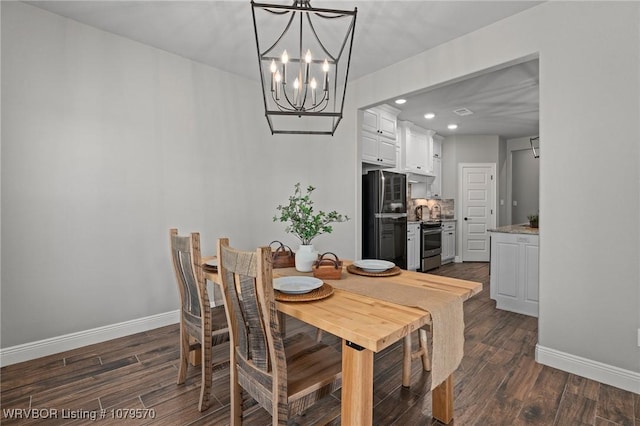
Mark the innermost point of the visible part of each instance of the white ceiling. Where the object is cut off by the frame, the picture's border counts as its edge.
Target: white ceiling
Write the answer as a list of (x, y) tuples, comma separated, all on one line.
[(503, 102), (220, 34)]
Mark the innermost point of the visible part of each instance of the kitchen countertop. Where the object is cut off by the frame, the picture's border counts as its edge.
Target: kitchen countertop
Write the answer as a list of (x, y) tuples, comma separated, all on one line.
[(522, 228)]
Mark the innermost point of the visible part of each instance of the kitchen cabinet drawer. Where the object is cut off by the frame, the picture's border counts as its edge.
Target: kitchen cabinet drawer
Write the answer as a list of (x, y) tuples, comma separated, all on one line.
[(448, 226)]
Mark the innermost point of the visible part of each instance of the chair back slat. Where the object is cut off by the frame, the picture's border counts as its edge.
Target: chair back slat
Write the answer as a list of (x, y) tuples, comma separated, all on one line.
[(189, 274), (237, 329), (242, 282), (258, 349)]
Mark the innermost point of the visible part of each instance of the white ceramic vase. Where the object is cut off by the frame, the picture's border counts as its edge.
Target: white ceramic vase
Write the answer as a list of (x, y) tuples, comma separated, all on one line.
[(305, 256)]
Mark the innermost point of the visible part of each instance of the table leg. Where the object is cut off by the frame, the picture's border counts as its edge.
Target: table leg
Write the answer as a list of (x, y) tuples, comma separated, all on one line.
[(283, 324), (442, 401), (357, 385), (195, 356)]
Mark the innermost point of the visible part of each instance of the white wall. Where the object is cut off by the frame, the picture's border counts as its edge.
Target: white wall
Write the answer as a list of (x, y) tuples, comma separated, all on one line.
[(465, 149), (523, 176), (106, 144), (589, 104)]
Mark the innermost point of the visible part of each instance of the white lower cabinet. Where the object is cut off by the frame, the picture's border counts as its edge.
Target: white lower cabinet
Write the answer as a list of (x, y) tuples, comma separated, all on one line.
[(413, 246), (448, 242), (514, 272)]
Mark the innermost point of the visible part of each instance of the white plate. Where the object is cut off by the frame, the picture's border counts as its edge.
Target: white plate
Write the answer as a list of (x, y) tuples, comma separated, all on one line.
[(296, 285), (373, 265), (212, 262)]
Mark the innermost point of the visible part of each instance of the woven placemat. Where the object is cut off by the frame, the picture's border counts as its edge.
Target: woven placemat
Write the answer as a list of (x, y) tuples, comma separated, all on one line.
[(319, 293), (388, 273)]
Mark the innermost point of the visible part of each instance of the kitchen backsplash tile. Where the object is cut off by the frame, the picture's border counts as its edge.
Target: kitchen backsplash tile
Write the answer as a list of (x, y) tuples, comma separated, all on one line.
[(436, 208)]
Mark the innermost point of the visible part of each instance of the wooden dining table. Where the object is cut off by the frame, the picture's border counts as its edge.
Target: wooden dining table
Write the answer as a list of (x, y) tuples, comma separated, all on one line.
[(366, 326)]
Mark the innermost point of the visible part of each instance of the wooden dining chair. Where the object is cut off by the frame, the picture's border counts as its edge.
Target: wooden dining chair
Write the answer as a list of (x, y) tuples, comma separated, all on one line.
[(285, 376), (200, 323)]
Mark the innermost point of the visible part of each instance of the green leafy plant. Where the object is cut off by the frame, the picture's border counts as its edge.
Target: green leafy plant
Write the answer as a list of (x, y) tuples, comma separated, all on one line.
[(533, 220), (303, 223)]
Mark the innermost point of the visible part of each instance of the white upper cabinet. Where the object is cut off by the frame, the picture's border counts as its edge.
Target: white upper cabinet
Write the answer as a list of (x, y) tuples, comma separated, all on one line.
[(416, 145), (437, 146), (436, 185), (378, 136)]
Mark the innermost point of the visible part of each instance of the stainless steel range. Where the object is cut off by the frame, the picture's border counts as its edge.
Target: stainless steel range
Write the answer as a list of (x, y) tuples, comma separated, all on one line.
[(431, 245)]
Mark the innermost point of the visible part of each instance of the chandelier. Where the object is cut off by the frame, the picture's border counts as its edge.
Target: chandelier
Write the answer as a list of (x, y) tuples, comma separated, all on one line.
[(304, 55)]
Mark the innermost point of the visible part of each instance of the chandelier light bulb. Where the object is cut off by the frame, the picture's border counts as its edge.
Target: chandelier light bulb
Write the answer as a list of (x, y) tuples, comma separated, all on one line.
[(307, 60), (296, 92), (325, 68), (285, 59), (313, 85), (273, 66), (277, 77)]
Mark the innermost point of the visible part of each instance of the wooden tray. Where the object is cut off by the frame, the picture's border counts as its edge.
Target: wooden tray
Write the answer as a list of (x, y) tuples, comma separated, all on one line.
[(319, 293), (388, 273)]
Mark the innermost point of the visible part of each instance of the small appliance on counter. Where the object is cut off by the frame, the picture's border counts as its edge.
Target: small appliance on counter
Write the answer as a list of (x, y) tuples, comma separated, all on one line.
[(420, 212)]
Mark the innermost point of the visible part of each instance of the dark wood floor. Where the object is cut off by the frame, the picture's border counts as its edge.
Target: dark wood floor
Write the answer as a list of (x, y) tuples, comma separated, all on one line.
[(498, 382)]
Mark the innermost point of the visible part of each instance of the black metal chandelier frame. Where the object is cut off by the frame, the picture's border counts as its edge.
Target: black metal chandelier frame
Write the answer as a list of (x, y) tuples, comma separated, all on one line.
[(304, 101)]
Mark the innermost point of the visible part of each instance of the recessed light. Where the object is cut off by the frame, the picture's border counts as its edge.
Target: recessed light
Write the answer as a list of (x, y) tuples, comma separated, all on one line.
[(452, 126), (429, 115), (400, 101)]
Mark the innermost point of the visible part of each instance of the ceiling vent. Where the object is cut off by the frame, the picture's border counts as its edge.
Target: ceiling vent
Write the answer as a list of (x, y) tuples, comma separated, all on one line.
[(463, 111)]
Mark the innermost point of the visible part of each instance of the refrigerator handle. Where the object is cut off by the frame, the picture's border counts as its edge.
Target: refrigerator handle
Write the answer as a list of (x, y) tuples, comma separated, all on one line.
[(381, 191)]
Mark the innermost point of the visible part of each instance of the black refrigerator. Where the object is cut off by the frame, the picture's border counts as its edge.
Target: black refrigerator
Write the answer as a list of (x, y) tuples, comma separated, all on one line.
[(384, 217)]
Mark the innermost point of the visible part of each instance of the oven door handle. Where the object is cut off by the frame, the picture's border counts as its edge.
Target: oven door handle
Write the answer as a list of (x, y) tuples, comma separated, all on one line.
[(432, 232)]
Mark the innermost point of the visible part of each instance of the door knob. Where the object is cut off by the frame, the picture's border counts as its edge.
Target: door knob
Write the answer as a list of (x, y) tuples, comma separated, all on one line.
[(465, 218)]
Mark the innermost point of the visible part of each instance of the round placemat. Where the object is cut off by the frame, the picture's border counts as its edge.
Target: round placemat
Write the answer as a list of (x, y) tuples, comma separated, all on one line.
[(388, 273), (319, 293)]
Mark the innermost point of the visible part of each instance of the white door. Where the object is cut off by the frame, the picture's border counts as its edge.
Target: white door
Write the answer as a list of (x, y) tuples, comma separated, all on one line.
[(478, 188)]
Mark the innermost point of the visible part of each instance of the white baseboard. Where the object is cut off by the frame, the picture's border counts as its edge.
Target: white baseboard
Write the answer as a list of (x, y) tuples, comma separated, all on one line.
[(594, 370), (54, 345)]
